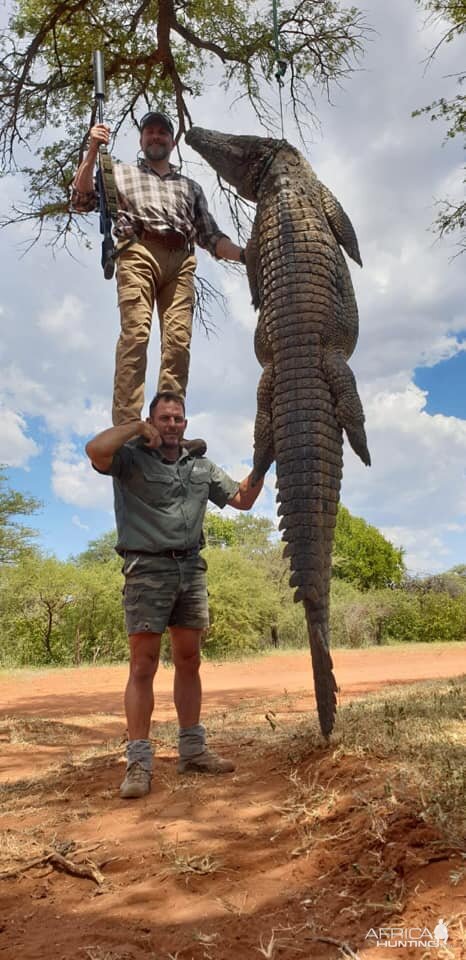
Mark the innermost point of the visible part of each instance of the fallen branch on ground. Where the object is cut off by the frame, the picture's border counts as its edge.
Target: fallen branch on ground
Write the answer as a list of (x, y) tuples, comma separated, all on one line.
[(89, 870)]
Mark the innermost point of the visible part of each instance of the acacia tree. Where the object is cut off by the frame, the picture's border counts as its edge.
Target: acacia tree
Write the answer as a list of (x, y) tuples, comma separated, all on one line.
[(100, 550), (15, 539), (363, 556), (156, 51), (452, 215)]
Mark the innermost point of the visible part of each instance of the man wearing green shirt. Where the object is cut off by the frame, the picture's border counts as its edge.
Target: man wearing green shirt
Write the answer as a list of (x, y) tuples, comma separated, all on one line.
[(161, 494)]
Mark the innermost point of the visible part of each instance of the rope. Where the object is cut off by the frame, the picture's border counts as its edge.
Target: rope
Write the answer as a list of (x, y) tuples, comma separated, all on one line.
[(280, 85), (280, 62)]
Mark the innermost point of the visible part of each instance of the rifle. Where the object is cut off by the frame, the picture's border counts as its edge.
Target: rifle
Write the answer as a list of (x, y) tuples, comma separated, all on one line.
[(105, 180)]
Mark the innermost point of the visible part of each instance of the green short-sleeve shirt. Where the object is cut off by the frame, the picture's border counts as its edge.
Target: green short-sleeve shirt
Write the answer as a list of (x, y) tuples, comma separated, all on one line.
[(161, 505)]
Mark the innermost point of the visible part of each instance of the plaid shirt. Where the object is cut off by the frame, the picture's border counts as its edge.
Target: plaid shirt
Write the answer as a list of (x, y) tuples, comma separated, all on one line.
[(149, 201)]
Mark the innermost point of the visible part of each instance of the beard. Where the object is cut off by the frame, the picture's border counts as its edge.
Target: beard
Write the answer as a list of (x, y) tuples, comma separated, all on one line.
[(157, 151)]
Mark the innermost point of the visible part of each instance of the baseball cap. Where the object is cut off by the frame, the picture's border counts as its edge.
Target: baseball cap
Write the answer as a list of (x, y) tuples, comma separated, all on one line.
[(155, 116)]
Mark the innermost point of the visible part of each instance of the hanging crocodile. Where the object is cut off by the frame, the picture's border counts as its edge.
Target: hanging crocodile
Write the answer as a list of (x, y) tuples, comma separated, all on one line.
[(307, 329)]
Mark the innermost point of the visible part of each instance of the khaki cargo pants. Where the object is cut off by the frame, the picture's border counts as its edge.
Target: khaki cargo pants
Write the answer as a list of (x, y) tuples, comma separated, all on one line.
[(149, 274)]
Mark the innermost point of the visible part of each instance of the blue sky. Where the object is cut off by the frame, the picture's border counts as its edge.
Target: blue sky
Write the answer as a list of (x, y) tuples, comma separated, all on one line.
[(59, 320), (445, 386)]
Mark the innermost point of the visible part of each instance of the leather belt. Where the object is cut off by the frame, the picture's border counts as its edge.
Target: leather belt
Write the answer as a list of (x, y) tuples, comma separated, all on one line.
[(170, 239), (178, 554)]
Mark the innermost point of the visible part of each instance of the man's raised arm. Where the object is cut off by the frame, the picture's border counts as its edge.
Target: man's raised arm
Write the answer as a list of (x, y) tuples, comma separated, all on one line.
[(102, 448), (247, 494), (83, 196)]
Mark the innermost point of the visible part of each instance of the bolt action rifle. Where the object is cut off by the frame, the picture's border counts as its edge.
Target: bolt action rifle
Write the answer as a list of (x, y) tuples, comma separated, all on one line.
[(105, 179)]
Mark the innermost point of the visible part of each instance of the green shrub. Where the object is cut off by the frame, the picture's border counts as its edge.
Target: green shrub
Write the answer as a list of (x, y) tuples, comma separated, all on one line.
[(242, 604), (291, 625)]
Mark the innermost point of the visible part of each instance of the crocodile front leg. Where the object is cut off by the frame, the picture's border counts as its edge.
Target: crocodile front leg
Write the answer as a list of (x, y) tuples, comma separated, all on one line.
[(264, 453), (252, 265)]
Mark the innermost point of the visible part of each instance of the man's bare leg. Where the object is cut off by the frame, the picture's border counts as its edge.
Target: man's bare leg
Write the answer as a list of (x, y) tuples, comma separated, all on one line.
[(139, 693), (139, 704), (187, 692), (194, 755)]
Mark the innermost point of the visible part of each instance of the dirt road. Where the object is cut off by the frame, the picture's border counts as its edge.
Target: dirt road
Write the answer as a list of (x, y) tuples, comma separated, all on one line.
[(65, 693)]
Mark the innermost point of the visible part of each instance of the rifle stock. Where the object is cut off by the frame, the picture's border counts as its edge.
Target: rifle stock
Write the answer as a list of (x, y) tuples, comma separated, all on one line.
[(105, 180)]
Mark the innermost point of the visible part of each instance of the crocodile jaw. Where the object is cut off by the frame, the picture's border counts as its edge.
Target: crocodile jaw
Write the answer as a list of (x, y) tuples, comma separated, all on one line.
[(237, 159)]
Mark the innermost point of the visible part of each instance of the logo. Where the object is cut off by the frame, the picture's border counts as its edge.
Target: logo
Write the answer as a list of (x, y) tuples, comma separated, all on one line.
[(410, 936), (441, 932)]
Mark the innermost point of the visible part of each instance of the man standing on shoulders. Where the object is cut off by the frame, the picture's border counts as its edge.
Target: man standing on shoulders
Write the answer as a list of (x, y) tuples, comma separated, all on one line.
[(161, 495), (161, 216)]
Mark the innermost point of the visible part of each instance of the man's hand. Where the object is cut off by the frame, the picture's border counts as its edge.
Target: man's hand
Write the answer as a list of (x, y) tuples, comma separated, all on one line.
[(100, 133), (247, 248), (225, 249), (102, 448), (150, 435)]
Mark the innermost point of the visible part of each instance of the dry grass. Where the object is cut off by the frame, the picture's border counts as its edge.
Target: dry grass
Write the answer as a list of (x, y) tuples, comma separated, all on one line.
[(282, 938), (238, 907), (183, 864), (18, 845), (46, 732), (98, 953), (415, 735)]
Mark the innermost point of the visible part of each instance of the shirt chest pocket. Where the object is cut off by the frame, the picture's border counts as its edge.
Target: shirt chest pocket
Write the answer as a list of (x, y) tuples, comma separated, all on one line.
[(157, 490), (199, 483)]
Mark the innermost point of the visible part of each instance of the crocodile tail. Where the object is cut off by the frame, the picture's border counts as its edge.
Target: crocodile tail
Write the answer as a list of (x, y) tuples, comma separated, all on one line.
[(322, 668)]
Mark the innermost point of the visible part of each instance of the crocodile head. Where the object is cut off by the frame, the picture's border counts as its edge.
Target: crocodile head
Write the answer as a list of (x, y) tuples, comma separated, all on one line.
[(240, 160)]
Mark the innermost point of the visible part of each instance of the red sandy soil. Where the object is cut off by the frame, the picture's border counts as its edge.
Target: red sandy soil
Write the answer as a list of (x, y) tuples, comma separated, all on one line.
[(258, 885)]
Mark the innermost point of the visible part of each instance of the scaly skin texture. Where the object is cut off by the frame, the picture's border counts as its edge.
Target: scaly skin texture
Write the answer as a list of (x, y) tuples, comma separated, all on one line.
[(307, 329)]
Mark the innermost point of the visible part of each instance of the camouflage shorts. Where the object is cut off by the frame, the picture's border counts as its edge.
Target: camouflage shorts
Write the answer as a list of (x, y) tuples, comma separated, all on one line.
[(165, 592)]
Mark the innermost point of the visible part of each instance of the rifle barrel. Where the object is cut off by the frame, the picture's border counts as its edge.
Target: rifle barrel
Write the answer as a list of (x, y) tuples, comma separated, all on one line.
[(99, 74), (107, 259)]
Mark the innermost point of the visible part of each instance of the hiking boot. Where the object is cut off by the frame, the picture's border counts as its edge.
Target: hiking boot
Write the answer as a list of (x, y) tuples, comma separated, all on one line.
[(205, 762), (197, 448), (136, 783)]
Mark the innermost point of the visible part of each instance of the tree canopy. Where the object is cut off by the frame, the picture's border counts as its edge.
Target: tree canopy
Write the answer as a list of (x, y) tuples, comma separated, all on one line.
[(452, 215), (100, 550), (15, 539), (363, 556), (243, 530), (156, 52)]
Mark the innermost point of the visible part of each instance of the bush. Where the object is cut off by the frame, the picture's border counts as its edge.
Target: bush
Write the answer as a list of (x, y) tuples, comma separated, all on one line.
[(292, 626), (394, 616), (242, 604), (363, 556), (442, 618), (53, 612)]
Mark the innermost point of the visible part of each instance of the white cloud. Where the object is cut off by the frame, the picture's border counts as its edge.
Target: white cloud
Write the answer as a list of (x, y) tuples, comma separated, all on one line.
[(64, 322), (76, 482), (238, 295), (233, 443), (16, 448), (63, 410), (28, 395), (425, 551)]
